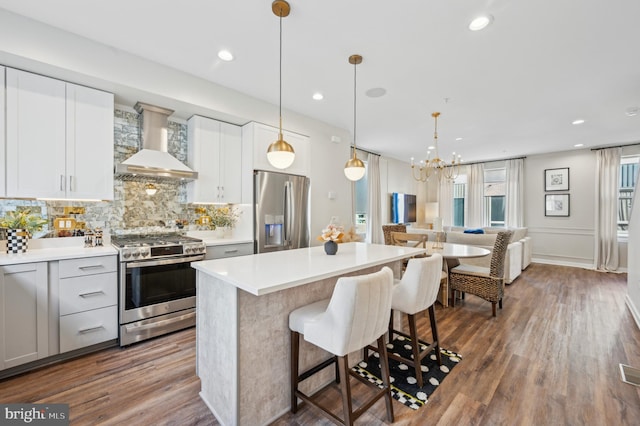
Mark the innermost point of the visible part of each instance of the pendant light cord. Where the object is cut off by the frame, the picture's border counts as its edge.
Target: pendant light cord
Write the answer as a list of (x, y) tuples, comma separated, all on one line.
[(355, 65), (280, 77)]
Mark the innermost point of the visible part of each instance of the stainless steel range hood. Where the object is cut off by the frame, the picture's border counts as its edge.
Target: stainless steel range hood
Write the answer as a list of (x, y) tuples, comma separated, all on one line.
[(153, 160)]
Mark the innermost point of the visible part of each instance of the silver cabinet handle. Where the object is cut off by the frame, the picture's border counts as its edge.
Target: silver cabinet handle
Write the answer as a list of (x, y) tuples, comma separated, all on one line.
[(231, 251), (91, 293), (71, 186), (90, 329), (90, 267), (61, 182)]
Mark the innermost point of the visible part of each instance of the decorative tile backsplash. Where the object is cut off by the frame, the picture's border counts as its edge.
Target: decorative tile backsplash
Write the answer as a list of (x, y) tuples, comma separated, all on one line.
[(131, 208)]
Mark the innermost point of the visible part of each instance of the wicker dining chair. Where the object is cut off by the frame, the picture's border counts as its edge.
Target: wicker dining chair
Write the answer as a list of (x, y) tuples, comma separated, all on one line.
[(487, 283), (388, 229)]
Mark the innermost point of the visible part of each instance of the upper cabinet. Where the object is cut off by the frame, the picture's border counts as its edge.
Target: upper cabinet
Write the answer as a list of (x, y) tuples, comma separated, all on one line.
[(3, 188), (59, 139), (256, 139), (215, 152)]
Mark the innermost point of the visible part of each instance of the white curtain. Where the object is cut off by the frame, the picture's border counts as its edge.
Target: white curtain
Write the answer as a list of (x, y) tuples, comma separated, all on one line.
[(606, 239), (475, 210), (445, 204), (374, 224), (514, 214)]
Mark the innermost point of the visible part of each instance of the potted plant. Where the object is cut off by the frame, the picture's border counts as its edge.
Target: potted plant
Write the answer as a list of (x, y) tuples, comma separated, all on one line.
[(224, 219), (20, 226)]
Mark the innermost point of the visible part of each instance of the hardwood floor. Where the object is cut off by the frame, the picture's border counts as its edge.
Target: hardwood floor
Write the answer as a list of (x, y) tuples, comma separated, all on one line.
[(551, 356)]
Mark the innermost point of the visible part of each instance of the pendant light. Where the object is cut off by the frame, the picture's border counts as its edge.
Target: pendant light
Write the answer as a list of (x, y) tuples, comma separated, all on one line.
[(280, 153), (354, 168)]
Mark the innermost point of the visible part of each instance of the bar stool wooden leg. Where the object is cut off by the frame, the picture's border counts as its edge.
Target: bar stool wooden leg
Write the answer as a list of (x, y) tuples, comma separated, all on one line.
[(384, 364), (345, 390), (295, 351), (434, 333), (415, 348)]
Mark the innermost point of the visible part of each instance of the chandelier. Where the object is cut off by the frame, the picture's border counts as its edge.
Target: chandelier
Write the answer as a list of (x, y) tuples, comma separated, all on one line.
[(435, 166)]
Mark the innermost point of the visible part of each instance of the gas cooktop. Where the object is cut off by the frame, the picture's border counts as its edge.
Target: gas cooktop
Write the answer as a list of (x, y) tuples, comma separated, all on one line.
[(146, 246)]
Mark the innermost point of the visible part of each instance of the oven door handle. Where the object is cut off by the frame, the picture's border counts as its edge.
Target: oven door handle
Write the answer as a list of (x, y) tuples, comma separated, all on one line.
[(131, 265)]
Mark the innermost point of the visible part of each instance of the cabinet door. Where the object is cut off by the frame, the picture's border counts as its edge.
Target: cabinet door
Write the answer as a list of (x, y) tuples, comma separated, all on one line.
[(23, 314), (89, 172), (230, 162), (3, 188), (35, 112), (204, 157), (262, 136)]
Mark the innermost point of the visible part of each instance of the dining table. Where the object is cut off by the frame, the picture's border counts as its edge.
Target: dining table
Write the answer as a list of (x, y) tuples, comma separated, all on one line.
[(451, 255)]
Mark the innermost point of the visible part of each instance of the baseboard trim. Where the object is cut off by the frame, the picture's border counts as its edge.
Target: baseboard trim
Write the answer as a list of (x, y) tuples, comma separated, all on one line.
[(634, 311)]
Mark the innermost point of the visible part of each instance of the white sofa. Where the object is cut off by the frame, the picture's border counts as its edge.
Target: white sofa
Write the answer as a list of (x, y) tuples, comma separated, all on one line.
[(515, 259)]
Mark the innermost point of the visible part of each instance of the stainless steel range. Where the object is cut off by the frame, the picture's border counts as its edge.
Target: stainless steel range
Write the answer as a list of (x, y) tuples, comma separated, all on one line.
[(157, 285)]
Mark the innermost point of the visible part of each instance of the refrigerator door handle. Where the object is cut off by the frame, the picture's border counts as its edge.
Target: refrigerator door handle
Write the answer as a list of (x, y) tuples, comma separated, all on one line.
[(287, 214)]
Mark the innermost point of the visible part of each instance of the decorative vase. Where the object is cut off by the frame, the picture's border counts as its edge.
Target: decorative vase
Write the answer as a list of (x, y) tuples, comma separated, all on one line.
[(17, 240), (218, 232), (227, 231), (331, 247)]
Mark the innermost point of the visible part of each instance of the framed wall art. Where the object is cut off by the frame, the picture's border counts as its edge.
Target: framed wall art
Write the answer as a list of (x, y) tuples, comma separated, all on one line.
[(556, 205), (556, 179)]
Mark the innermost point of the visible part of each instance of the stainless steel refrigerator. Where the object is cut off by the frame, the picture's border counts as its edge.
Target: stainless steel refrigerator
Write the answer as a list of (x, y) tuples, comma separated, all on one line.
[(281, 216)]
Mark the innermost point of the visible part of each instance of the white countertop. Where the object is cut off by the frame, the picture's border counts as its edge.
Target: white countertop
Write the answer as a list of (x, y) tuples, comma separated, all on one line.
[(55, 253), (265, 273), (210, 239)]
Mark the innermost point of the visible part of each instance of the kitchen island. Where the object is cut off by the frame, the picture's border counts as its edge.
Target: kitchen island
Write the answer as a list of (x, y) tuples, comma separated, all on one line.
[(242, 326)]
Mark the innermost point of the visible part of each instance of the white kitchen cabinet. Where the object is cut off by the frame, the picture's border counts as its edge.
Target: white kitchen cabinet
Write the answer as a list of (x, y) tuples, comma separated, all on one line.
[(3, 188), (215, 152), (89, 148), (229, 250), (256, 138), (88, 299), (24, 313), (59, 139)]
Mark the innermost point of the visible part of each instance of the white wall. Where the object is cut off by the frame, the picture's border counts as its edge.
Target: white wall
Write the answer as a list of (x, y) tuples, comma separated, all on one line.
[(32, 46), (563, 240)]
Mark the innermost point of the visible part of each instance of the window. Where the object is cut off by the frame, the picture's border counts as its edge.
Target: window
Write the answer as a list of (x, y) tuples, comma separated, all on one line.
[(361, 207), (459, 189), (494, 196), (628, 175)]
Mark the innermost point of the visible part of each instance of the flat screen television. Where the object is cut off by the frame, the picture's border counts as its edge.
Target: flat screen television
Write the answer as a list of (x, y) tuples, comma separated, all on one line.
[(403, 208)]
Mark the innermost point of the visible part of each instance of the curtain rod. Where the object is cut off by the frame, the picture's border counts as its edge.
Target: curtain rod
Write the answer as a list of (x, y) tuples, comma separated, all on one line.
[(491, 161), (368, 152), (615, 146)]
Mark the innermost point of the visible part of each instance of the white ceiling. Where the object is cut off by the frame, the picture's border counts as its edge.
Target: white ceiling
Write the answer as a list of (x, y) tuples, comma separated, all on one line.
[(513, 89)]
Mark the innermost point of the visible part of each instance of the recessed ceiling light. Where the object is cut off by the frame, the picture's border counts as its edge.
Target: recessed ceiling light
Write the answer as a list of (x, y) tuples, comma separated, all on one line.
[(225, 55), (376, 92), (578, 121), (480, 22), (458, 139), (318, 96), (632, 111), (578, 145)]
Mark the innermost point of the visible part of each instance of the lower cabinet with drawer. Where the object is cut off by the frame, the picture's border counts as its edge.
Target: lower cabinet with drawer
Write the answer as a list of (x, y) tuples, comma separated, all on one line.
[(229, 250), (88, 299)]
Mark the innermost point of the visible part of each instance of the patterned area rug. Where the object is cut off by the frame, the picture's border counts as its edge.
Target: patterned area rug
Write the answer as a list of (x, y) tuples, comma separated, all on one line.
[(403, 381)]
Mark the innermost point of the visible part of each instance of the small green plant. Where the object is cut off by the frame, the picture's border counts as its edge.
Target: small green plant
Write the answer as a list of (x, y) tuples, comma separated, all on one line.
[(225, 216), (23, 220)]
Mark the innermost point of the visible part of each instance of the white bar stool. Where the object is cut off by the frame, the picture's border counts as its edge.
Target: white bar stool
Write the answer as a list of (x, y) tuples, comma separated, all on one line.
[(415, 292), (356, 315)]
